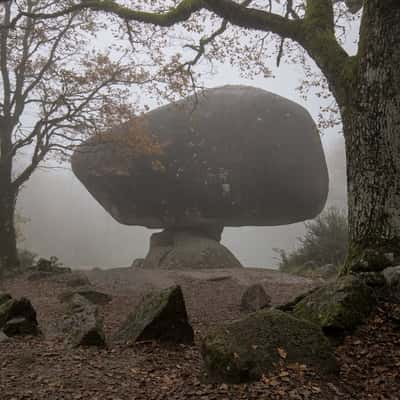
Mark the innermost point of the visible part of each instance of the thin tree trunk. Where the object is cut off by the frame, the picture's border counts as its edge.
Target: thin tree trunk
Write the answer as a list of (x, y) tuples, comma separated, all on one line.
[(372, 131)]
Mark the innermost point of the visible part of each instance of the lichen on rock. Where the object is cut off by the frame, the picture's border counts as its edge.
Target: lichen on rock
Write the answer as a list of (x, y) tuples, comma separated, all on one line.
[(246, 349), (339, 307)]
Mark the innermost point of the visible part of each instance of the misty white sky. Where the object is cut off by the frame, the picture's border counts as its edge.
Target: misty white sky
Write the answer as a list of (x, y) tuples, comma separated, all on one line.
[(65, 221)]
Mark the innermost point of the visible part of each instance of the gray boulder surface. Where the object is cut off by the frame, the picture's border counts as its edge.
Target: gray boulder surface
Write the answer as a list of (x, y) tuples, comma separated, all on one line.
[(233, 156), (83, 324), (255, 298), (172, 249), (244, 350), (161, 316)]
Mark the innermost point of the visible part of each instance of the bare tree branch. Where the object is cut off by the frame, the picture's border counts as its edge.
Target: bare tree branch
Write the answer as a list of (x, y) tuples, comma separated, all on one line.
[(177, 14)]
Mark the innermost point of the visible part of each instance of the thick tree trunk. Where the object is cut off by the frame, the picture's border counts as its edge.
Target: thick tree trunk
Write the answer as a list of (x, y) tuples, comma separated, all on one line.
[(8, 196), (8, 244), (371, 121)]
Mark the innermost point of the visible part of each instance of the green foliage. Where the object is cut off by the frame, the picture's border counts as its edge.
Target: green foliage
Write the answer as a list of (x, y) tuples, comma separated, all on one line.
[(325, 242)]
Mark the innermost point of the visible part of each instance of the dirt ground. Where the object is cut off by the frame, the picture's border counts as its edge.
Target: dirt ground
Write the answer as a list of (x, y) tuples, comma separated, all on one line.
[(44, 368)]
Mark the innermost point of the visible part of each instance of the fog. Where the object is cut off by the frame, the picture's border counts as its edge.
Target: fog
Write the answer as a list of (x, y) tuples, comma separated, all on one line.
[(67, 222)]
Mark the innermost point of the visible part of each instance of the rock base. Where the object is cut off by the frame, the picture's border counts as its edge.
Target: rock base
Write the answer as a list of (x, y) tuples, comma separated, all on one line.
[(188, 249)]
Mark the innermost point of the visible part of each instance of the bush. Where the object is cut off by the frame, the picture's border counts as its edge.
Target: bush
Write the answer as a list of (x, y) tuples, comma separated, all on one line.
[(325, 242), (26, 258)]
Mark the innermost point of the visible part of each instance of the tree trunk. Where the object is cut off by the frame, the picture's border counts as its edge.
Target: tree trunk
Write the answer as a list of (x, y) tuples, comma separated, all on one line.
[(8, 243), (371, 120), (8, 197)]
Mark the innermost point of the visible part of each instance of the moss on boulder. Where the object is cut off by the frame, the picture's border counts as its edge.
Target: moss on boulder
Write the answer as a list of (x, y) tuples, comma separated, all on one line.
[(339, 307), (82, 324), (160, 316), (246, 349)]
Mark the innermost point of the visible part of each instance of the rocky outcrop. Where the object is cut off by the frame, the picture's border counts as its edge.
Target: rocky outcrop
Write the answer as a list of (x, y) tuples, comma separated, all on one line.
[(339, 307), (83, 325), (255, 298), (246, 349), (175, 249), (161, 316), (17, 317)]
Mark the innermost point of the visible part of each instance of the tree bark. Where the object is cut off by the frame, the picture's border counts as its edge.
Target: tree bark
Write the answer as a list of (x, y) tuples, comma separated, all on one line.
[(371, 120), (8, 197), (8, 242)]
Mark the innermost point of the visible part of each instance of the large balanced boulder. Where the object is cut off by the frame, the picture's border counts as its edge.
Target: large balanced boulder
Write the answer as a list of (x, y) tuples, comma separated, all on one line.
[(82, 324), (246, 349), (234, 155), (171, 249), (161, 316), (17, 317), (339, 307), (230, 156)]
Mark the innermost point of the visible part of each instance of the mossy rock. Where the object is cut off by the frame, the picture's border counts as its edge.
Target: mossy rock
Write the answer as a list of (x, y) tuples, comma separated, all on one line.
[(246, 349), (4, 297), (22, 308), (83, 324), (339, 307), (160, 316)]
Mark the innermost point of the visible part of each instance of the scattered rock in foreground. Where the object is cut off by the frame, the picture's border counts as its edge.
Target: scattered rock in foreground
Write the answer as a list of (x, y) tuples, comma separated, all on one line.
[(73, 279), (160, 316), (339, 307), (244, 350), (255, 298), (83, 325), (392, 279), (89, 293), (18, 317)]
